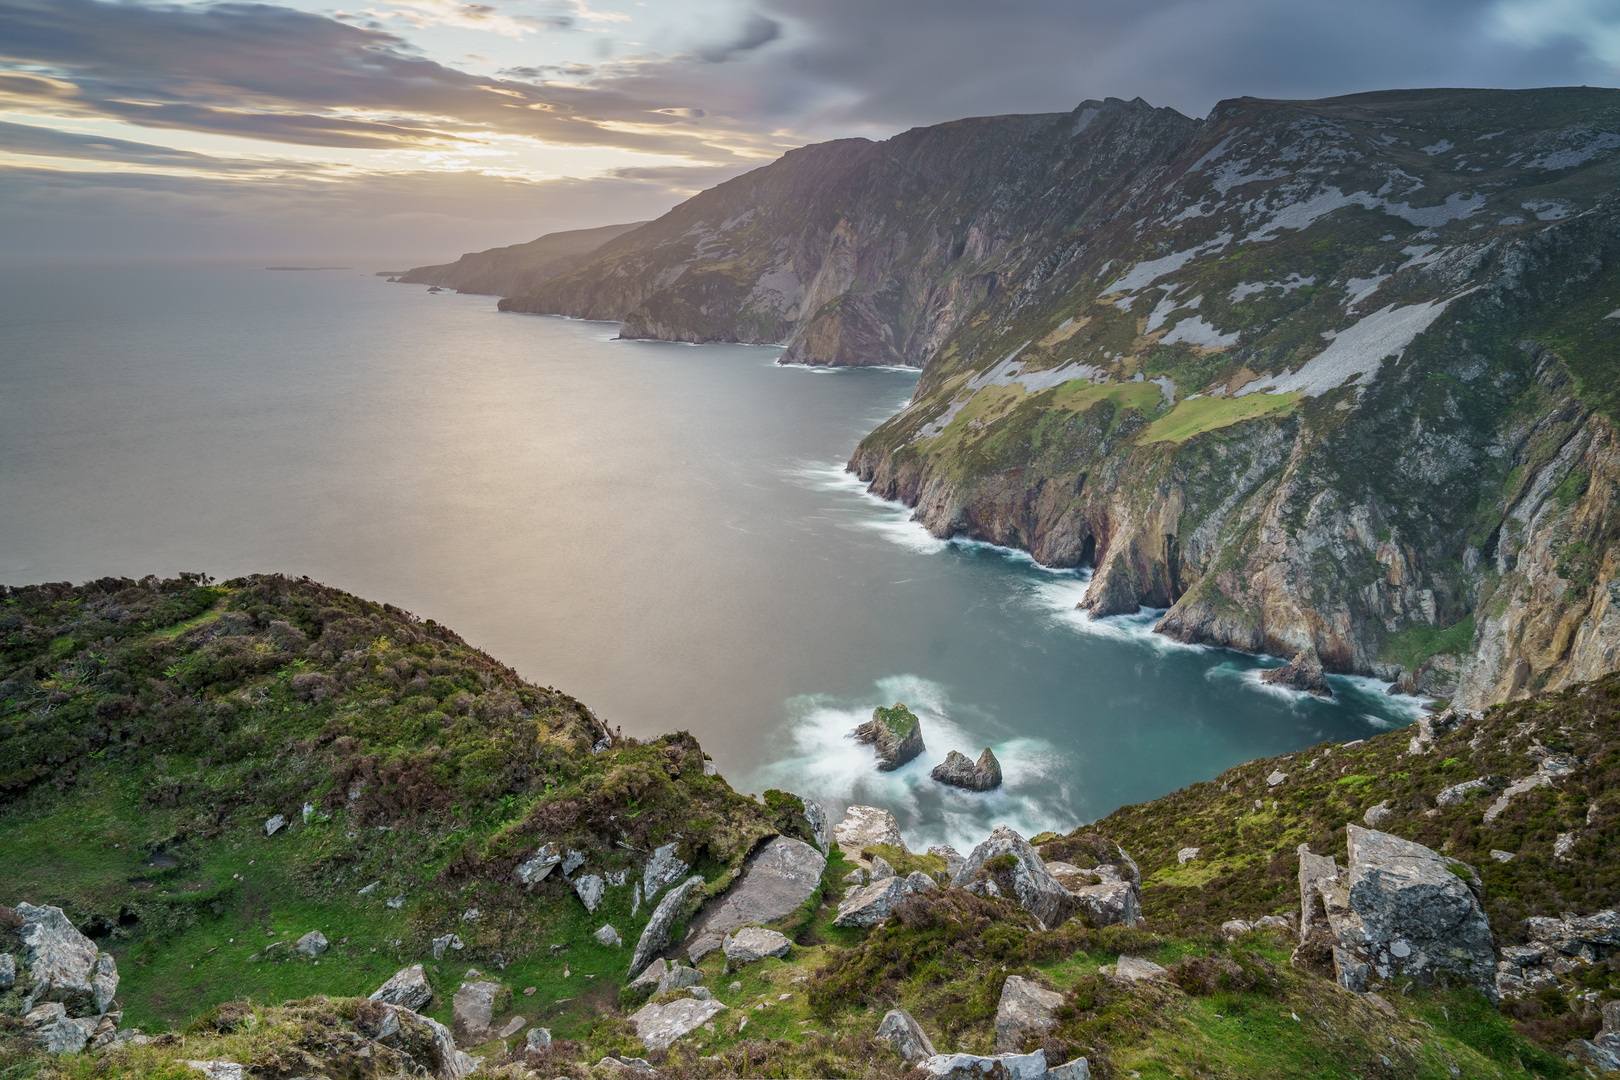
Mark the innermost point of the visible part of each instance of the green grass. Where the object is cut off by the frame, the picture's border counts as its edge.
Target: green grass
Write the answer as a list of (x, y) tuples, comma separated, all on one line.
[(1194, 417), (1412, 646)]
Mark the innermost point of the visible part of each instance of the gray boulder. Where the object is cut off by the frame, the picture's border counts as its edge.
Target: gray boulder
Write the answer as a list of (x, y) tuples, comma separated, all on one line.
[(817, 817), (1078, 1069), (959, 770), (274, 824), (664, 868), (539, 1038), (659, 1024), (646, 984), (919, 882), (408, 988), (55, 1031), (905, 1036), (895, 733), (571, 862), (881, 868), (1109, 903), (1040, 893), (678, 978), (856, 877), (655, 937), (311, 944), (449, 941), (1588, 937), (1026, 1009), (752, 943), (778, 878), (864, 826), (590, 890), (1135, 969), (1397, 909), (8, 970), (537, 866), (65, 965), (976, 1067), (472, 1009), (219, 1069), (608, 936), (871, 904), (1457, 794), (1376, 814)]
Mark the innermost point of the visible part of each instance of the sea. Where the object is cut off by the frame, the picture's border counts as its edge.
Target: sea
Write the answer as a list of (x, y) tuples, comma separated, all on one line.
[(665, 531)]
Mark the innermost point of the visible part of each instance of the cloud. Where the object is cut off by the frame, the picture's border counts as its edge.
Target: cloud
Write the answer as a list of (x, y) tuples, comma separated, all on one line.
[(756, 31), (48, 142)]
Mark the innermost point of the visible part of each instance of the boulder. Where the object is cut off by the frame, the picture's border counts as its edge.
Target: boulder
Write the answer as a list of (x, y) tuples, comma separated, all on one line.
[(311, 944), (919, 882), (678, 978), (1588, 937), (1457, 794), (895, 733), (409, 988), (1078, 1069), (65, 965), (1040, 893), (623, 1068), (1303, 672), (646, 984), (659, 1024), (975, 1067), (219, 1069), (1232, 929), (905, 1036), (571, 862), (606, 935), (8, 970), (473, 1009), (449, 941), (655, 937), (1186, 855), (776, 881), (817, 817), (1277, 776), (856, 877), (664, 868), (1026, 1009), (881, 868), (538, 1039), (1135, 969), (1110, 903), (953, 858), (871, 904), (274, 824), (1397, 909), (1376, 814), (959, 770), (752, 943), (864, 826), (55, 1031), (590, 890), (537, 866)]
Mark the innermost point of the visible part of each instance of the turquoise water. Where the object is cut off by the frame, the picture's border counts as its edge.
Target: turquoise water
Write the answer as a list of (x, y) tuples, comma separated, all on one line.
[(663, 530)]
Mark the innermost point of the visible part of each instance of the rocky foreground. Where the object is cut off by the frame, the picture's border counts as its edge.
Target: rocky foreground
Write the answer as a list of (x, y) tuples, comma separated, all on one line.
[(264, 828)]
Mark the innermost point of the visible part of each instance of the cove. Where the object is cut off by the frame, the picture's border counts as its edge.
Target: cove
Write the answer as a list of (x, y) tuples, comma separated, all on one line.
[(663, 531)]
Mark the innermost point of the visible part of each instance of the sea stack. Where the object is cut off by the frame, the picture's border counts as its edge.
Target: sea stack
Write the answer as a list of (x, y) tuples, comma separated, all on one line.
[(958, 770), (896, 735), (1304, 672)]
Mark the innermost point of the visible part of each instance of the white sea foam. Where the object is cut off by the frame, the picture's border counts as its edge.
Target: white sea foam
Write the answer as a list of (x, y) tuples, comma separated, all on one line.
[(823, 763)]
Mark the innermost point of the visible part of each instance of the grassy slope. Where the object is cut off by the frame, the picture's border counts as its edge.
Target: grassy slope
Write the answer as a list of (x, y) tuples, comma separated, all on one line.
[(184, 931)]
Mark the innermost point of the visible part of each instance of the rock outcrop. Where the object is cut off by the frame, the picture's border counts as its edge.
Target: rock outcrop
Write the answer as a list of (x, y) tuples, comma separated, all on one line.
[(474, 1006), (977, 1067), (655, 936), (871, 904), (959, 770), (864, 827), (778, 878), (659, 1024), (1396, 909), (1040, 893), (753, 943), (63, 964), (895, 733)]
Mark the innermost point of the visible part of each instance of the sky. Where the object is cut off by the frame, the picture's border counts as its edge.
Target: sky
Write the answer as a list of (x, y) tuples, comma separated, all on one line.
[(410, 131)]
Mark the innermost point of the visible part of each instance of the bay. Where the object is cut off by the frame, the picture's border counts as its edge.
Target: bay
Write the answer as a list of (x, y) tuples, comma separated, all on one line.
[(664, 531)]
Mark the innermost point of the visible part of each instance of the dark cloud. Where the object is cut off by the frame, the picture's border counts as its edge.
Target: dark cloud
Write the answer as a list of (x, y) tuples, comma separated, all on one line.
[(757, 30), (48, 142)]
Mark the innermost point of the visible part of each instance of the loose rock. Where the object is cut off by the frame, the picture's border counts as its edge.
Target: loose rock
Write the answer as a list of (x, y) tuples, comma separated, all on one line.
[(538, 1039), (473, 1009), (906, 1036), (1376, 814), (537, 866), (65, 965), (449, 941), (8, 970), (881, 868), (311, 944), (953, 858), (664, 868), (974, 1067), (872, 904), (1186, 855), (608, 936), (590, 890), (1026, 1009), (1041, 894), (679, 978), (408, 988), (752, 943), (1136, 969), (274, 825)]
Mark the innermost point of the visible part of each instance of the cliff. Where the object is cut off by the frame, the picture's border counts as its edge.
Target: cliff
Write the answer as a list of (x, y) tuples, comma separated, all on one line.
[(862, 253), (518, 268), (1337, 381)]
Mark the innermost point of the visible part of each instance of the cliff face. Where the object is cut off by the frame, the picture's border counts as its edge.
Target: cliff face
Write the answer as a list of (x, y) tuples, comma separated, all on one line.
[(504, 271), (861, 253), (1337, 380)]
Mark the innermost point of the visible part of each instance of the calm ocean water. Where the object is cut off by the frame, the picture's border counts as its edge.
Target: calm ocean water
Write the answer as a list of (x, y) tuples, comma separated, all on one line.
[(664, 531)]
